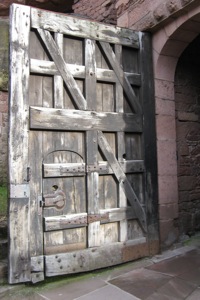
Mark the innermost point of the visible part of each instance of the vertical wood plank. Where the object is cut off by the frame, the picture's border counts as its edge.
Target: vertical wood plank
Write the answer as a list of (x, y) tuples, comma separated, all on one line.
[(90, 74), (35, 156), (58, 81), (149, 138), (121, 152), (91, 144), (19, 256), (18, 96)]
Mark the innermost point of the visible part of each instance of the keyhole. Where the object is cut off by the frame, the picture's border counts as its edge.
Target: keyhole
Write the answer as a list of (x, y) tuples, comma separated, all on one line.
[(54, 187)]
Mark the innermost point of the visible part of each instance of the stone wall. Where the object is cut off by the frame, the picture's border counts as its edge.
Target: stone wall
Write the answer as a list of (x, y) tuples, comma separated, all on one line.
[(53, 5), (187, 97), (99, 10), (148, 14)]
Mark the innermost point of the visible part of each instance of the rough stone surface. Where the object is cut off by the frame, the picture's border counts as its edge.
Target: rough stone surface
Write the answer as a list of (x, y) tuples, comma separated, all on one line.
[(100, 10), (148, 14), (53, 5), (187, 90)]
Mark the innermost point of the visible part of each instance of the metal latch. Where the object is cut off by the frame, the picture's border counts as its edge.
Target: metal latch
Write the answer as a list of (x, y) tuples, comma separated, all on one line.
[(57, 199)]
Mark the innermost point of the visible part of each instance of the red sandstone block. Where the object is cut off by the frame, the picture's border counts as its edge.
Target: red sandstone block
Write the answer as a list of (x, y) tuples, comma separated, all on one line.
[(174, 48), (3, 96), (3, 106), (142, 24), (159, 39), (185, 2), (165, 68), (173, 5), (164, 89), (123, 20), (139, 9), (168, 189), (166, 128), (168, 211), (183, 35), (160, 12), (167, 160), (168, 233), (121, 2), (170, 29), (165, 107), (191, 26)]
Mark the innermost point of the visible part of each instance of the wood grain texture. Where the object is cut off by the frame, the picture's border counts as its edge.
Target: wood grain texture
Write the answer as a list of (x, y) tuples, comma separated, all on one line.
[(19, 207), (57, 119), (83, 28), (83, 178)]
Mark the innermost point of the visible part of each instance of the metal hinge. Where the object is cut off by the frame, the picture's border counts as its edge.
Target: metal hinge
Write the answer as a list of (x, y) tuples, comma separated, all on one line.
[(28, 177)]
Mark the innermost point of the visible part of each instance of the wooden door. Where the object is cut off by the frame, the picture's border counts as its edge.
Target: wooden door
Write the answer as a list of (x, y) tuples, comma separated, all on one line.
[(82, 158)]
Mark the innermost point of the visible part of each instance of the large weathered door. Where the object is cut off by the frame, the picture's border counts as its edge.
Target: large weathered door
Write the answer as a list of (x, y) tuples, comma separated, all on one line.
[(82, 159)]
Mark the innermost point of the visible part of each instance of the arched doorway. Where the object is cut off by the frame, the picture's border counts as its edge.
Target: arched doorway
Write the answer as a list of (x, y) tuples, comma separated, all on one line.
[(187, 105), (169, 42)]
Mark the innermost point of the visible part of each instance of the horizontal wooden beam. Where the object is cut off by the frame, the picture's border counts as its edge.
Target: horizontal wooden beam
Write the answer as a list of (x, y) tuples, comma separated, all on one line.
[(75, 27), (83, 219), (118, 214), (79, 169), (74, 120), (46, 67), (65, 221)]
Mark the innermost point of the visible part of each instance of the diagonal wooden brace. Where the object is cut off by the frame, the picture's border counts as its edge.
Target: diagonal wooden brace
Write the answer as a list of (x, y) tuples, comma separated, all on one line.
[(121, 177)]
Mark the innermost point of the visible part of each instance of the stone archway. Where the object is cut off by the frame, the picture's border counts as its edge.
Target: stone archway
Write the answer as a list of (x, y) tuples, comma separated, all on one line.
[(187, 104), (168, 44)]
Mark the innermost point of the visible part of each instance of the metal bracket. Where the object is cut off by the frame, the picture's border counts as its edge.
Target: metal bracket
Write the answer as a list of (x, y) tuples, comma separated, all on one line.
[(97, 217), (97, 168), (56, 200), (73, 168), (19, 191)]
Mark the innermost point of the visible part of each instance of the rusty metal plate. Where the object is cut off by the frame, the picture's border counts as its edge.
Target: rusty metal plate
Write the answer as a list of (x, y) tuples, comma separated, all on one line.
[(100, 168), (98, 217)]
